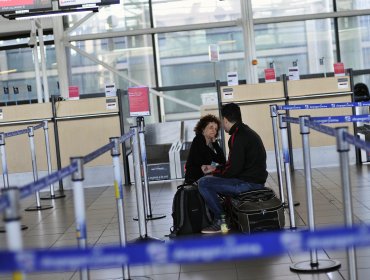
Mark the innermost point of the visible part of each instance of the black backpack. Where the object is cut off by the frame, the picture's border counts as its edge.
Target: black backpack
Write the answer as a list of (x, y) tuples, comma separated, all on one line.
[(189, 212)]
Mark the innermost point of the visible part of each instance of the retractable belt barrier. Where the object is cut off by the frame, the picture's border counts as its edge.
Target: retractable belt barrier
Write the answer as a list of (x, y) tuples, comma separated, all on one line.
[(9, 201), (186, 251)]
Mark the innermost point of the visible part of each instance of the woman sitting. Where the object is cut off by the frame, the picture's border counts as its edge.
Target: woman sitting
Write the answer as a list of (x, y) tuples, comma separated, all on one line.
[(204, 149)]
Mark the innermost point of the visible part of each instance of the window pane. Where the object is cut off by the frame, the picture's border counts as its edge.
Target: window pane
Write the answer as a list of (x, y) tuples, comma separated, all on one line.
[(184, 56), (279, 8), (183, 12), (305, 41), (131, 56), (193, 96), (354, 36), (131, 15), (348, 5)]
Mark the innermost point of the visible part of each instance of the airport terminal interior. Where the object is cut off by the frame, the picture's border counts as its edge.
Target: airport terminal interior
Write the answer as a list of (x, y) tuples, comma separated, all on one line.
[(74, 74)]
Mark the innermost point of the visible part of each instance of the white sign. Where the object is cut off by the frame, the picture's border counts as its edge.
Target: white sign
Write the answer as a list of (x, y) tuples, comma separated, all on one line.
[(228, 93), (293, 73), (110, 90), (111, 103), (209, 98), (214, 53), (343, 83), (232, 78)]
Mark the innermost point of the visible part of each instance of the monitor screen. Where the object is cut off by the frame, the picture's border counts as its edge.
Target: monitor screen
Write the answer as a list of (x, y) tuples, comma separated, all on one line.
[(85, 3), (24, 6)]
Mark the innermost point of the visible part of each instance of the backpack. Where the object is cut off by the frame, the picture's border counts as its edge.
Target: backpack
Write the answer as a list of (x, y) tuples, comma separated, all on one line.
[(189, 212)]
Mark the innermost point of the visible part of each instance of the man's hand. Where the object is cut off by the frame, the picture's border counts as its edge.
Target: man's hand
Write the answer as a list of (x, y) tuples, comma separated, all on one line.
[(208, 169)]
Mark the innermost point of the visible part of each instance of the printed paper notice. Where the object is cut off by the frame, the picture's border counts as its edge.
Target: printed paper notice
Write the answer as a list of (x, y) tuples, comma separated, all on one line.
[(227, 93), (339, 69), (214, 53), (343, 83), (73, 93), (138, 98), (270, 76), (111, 103), (232, 78), (293, 73)]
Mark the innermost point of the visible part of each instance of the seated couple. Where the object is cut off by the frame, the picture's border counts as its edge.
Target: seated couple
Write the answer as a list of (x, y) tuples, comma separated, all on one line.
[(244, 170)]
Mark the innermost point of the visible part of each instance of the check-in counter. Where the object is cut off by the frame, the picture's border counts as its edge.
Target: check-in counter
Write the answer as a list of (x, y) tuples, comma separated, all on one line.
[(14, 118), (85, 125), (255, 101), (315, 91)]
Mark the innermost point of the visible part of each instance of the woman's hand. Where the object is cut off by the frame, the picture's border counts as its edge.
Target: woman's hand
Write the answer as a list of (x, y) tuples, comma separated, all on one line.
[(208, 169)]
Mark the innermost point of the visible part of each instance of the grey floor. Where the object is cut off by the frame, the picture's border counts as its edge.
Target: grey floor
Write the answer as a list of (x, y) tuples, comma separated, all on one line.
[(55, 228)]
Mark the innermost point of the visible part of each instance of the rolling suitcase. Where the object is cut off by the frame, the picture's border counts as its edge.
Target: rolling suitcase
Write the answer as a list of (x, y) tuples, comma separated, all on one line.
[(256, 211)]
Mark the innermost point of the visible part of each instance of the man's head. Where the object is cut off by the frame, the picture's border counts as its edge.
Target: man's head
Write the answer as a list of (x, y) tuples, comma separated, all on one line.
[(230, 115)]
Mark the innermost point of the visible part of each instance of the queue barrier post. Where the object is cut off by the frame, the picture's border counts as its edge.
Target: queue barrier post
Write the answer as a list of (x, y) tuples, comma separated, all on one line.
[(12, 219), (286, 158), (79, 207), (52, 194), (140, 203), (149, 215), (314, 265), (4, 163), (118, 187), (273, 114), (343, 149), (38, 206)]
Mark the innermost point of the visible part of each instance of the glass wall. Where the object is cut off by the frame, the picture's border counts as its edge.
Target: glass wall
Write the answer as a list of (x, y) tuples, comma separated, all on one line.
[(170, 56), (280, 8), (304, 42), (185, 12)]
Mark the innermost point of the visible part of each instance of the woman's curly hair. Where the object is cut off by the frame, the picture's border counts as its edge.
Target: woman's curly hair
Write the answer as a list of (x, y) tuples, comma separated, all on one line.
[(204, 121)]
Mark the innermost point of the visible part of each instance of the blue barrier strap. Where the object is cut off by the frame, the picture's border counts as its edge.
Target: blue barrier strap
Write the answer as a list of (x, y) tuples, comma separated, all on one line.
[(40, 125), (126, 136), (357, 142), (200, 250), (4, 202), (322, 128), (341, 119), (93, 155), (291, 120), (15, 133), (46, 181), (322, 105)]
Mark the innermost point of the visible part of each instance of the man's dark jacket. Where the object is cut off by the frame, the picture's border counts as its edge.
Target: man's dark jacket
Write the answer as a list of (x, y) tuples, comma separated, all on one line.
[(247, 156)]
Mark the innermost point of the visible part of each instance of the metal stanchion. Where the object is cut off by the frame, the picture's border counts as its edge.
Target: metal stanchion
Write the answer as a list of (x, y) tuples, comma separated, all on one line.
[(343, 149), (38, 206), (314, 265), (12, 222), (148, 205), (4, 165), (286, 157), (139, 188), (115, 153), (273, 114), (80, 212), (53, 194)]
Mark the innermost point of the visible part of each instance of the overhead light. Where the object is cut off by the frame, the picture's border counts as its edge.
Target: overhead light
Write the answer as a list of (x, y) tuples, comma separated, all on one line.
[(8, 71), (50, 13)]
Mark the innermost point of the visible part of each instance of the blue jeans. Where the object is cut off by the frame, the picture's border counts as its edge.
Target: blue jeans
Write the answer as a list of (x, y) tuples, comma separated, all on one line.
[(210, 186)]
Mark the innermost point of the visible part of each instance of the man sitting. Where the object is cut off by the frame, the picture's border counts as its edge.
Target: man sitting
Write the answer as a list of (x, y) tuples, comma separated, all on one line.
[(244, 170)]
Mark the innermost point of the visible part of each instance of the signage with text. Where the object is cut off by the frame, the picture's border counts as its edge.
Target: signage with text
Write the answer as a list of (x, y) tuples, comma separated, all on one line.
[(138, 98)]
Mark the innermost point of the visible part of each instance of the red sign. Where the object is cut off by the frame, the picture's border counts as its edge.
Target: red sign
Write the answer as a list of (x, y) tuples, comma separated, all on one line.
[(138, 98), (15, 3), (339, 69), (270, 75), (73, 92)]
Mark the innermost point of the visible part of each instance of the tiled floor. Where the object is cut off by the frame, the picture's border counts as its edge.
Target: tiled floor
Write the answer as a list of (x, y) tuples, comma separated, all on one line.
[(55, 228)]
